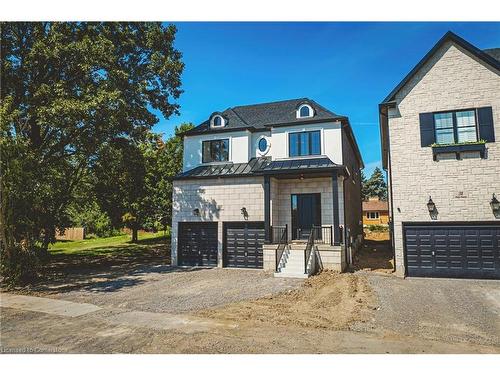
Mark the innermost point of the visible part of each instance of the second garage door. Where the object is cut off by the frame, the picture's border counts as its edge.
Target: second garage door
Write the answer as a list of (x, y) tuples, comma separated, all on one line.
[(456, 250), (243, 244)]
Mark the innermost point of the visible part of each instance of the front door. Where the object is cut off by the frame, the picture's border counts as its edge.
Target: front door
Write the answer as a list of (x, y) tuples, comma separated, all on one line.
[(306, 212)]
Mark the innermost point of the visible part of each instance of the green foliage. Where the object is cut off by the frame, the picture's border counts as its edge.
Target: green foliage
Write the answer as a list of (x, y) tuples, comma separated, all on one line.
[(68, 90), (95, 221), (375, 186), (480, 142), (377, 228)]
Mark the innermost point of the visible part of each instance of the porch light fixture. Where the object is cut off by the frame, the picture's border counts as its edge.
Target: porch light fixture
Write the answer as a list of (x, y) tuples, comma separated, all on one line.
[(244, 212), (301, 177), (495, 204), (196, 212), (431, 206)]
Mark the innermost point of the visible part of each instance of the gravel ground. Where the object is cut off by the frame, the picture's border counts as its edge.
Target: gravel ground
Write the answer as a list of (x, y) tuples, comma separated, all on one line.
[(439, 309), (175, 290)]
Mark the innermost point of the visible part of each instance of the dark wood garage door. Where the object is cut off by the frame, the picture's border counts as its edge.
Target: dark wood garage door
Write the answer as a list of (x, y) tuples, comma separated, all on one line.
[(243, 244), (197, 244), (454, 250)]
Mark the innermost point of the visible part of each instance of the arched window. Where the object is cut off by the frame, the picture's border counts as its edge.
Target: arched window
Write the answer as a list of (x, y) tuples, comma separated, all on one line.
[(305, 110), (217, 121)]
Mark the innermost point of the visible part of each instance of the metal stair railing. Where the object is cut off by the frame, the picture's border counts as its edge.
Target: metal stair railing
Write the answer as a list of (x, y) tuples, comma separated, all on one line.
[(281, 247)]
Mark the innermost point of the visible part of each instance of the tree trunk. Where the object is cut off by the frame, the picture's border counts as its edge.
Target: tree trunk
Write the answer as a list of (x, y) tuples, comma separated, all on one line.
[(134, 234)]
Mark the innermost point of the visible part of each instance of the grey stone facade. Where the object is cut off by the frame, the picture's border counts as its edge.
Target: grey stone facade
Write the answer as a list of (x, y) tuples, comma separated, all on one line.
[(452, 79)]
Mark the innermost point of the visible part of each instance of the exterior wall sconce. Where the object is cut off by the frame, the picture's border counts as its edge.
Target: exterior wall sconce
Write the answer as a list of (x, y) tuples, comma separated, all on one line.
[(431, 206), (196, 212), (495, 204), (301, 177), (244, 213)]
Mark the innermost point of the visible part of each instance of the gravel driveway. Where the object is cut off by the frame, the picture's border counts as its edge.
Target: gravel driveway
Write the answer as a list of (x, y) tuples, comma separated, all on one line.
[(448, 310), (174, 290)]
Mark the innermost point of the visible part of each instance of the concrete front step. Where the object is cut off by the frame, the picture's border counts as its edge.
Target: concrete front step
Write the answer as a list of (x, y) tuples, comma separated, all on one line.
[(291, 275)]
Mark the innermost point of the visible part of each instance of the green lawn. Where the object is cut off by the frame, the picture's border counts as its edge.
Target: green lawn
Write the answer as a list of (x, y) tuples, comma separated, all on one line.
[(108, 246)]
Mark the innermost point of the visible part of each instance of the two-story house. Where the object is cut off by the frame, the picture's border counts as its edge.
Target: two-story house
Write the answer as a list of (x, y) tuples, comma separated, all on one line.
[(273, 185), (439, 131)]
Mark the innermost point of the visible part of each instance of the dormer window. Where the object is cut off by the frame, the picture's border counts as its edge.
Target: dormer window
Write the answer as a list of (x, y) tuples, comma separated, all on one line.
[(304, 111), (218, 121)]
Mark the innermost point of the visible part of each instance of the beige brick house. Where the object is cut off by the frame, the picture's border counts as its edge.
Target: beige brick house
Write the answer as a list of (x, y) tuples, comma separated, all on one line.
[(440, 130), (274, 186)]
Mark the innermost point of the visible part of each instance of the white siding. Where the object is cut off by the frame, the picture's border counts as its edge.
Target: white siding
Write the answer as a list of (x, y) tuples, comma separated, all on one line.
[(238, 147), (331, 140)]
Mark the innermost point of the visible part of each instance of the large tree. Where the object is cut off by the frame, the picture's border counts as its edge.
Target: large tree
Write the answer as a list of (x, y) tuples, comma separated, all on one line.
[(68, 89), (375, 186)]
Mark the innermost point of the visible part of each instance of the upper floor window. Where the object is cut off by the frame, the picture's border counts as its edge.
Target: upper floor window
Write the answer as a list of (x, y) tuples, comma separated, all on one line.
[(216, 150), (262, 145), (455, 127), (305, 143), (372, 215), (218, 120), (305, 110)]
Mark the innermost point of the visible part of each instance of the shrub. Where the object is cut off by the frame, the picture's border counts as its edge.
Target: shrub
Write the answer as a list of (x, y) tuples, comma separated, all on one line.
[(377, 228), (20, 266)]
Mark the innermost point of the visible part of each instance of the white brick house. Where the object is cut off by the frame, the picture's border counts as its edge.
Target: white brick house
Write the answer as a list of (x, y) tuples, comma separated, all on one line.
[(257, 178), (440, 130)]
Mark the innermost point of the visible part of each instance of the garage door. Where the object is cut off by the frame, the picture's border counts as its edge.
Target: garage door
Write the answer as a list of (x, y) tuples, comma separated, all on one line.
[(243, 244), (457, 250), (197, 244)]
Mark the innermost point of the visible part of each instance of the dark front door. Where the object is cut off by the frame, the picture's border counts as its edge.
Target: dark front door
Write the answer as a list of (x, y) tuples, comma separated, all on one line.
[(243, 244), (306, 212), (452, 250)]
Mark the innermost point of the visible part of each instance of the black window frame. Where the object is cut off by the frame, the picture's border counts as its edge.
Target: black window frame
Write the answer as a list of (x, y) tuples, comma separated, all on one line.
[(210, 142), (309, 142), (455, 127)]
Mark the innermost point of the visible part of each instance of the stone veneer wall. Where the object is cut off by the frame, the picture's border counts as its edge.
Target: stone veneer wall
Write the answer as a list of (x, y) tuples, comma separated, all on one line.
[(282, 205), (218, 200), (453, 79)]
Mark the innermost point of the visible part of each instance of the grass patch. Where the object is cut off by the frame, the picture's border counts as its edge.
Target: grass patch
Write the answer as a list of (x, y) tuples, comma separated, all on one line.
[(107, 246)]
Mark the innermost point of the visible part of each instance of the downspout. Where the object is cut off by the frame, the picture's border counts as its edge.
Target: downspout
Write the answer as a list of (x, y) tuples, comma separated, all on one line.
[(347, 253), (389, 173)]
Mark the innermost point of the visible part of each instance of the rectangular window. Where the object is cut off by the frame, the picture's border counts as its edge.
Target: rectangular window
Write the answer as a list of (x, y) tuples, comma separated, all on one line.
[(372, 215), (217, 150), (455, 127), (304, 143)]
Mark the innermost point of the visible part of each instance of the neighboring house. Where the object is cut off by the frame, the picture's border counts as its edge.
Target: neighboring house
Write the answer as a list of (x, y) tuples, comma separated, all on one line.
[(440, 130), (375, 212), (261, 182)]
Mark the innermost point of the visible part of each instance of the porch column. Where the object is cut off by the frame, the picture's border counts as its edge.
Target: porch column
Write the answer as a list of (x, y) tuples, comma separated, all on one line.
[(335, 190), (267, 209)]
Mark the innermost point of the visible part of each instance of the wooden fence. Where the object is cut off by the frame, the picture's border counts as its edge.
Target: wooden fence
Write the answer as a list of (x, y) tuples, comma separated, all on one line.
[(72, 234)]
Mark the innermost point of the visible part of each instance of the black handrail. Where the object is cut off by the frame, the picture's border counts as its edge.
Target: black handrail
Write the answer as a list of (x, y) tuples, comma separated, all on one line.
[(323, 234), (308, 249), (281, 247), (277, 232)]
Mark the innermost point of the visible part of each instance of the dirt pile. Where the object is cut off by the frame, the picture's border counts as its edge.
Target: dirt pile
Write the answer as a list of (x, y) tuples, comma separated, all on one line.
[(329, 300)]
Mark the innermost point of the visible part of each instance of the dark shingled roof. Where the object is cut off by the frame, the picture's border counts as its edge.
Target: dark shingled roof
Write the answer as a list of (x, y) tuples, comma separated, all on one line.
[(258, 167), (259, 116), (493, 52)]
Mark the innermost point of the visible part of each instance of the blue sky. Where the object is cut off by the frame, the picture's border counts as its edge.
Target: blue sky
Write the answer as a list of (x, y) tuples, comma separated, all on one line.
[(347, 67)]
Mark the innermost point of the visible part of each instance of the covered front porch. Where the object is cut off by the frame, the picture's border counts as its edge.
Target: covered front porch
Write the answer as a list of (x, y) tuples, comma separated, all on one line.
[(304, 216)]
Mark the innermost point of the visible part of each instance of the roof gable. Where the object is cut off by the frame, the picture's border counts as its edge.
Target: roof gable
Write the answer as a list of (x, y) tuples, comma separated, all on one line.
[(487, 56)]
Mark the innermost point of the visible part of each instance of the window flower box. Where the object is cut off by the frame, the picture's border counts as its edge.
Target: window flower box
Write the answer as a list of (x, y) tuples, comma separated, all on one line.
[(458, 148)]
